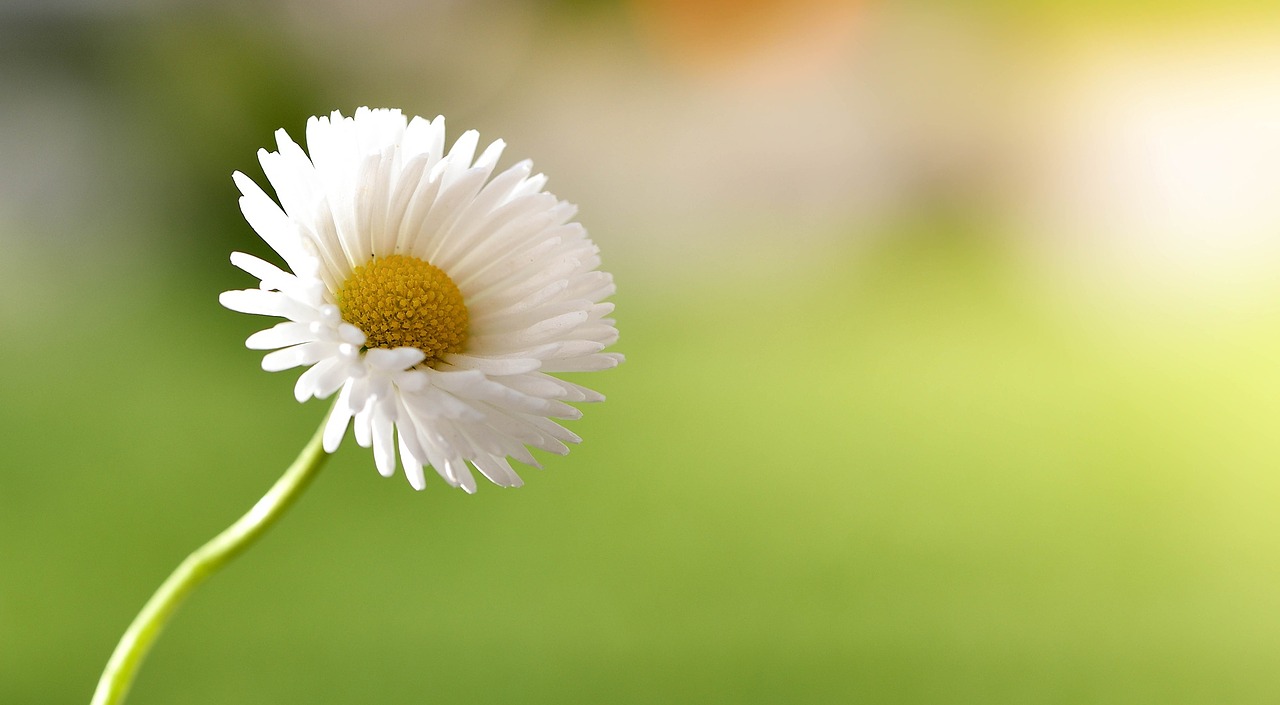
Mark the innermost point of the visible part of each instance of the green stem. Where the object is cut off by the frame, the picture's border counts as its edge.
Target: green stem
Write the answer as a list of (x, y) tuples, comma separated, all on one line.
[(137, 639)]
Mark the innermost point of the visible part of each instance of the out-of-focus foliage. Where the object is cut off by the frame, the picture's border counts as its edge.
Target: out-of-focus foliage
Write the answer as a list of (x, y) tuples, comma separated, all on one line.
[(892, 429)]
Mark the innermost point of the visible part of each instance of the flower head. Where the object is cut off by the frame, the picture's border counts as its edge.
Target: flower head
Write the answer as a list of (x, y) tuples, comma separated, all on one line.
[(433, 297)]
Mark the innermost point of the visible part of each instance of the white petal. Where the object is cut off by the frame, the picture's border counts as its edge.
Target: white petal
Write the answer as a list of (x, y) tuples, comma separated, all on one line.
[(412, 466), (425, 137), (494, 365), (336, 426), (460, 154), (287, 358), (308, 384), (384, 446), (262, 303), (435, 403), (394, 360), (280, 335), (540, 332), (272, 225), (269, 274), (401, 199), (497, 470), (448, 205), (590, 363), (362, 425)]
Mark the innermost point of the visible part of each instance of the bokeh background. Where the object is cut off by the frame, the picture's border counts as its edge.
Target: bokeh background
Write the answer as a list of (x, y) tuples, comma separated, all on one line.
[(953, 336)]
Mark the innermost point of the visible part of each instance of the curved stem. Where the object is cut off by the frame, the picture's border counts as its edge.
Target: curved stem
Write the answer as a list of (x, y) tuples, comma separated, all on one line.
[(137, 639)]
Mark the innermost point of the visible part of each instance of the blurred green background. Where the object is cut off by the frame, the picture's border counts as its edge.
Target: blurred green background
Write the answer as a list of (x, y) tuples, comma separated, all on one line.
[(952, 337)]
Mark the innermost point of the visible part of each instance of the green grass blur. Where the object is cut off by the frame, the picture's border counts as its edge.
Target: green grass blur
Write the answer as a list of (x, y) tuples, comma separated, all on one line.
[(897, 478)]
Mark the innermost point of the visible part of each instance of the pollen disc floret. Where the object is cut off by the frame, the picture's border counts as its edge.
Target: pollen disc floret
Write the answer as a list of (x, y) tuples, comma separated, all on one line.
[(404, 302), (435, 298)]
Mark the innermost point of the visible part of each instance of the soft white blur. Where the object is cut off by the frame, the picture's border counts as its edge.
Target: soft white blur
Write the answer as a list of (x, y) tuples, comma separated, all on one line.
[(1156, 163)]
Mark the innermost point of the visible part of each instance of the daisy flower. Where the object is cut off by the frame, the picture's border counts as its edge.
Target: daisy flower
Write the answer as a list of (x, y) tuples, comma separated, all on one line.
[(433, 297)]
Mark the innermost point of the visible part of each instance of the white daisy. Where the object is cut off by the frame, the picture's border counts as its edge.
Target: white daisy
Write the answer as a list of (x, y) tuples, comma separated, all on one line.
[(432, 298)]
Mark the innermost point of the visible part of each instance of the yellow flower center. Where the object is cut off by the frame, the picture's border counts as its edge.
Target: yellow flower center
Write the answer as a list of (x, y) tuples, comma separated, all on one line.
[(400, 301)]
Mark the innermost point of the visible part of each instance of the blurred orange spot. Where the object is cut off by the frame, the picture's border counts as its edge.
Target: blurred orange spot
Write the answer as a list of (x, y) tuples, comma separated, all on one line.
[(769, 38)]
